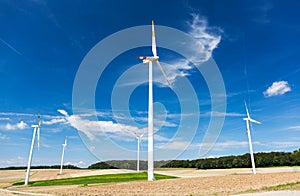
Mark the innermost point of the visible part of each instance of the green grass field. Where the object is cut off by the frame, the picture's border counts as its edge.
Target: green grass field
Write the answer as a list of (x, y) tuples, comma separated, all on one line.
[(109, 178)]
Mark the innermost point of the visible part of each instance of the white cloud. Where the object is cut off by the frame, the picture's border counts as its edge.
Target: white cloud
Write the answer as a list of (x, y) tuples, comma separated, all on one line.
[(177, 68), (54, 121), (19, 126), (14, 114), (219, 114), (5, 119), (93, 128), (63, 112), (294, 128), (277, 88), (207, 39), (10, 47), (78, 164)]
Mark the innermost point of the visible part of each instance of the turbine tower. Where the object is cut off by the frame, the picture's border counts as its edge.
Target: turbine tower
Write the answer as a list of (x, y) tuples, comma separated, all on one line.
[(139, 139), (62, 156), (35, 127), (149, 60), (248, 120)]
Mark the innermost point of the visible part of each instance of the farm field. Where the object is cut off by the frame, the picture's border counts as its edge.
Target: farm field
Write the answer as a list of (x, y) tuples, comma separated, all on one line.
[(191, 181)]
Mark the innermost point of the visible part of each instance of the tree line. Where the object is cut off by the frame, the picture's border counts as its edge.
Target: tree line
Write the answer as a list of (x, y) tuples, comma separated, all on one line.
[(262, 159), (40, 167), (125, 164)]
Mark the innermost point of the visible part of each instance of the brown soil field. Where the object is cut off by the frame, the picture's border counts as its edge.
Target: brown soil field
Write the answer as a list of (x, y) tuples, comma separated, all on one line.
[(232, 182)]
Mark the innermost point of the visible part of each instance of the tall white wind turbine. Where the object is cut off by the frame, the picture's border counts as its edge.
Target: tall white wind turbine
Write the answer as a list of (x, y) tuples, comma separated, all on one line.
[(149, 60), (62, 156), (35, 128), (248, 120)]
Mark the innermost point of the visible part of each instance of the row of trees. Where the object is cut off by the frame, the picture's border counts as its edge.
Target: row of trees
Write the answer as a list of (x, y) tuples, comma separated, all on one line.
[(40, 167), (125, 164), (241, 161)]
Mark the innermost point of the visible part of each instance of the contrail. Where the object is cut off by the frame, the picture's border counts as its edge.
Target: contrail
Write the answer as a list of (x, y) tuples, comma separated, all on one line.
[(11, 47)]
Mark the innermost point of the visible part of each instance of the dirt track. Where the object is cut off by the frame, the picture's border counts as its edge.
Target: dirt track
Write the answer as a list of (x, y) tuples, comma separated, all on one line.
[(223, 185)]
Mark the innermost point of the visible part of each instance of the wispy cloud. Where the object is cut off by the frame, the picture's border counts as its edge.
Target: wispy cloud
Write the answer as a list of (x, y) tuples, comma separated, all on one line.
[(54, 121), (277, 88), (294, 128), (78, 164), (19, 126), (10, 47), (219, 114), (5, 119), (177, 68), (93, 128), (207, 38), (63, 112), (159, 119), (14, 114)]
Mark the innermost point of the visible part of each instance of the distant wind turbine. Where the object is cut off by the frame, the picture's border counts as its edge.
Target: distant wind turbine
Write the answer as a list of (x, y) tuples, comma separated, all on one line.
[(149, 60), (62, 156), (248, 120), (139, 139), (35, 127)]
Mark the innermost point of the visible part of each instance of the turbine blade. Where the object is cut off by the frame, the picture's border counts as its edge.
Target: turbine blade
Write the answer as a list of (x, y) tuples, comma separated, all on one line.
[(38, 131), (254, 121), (38, 137), (153, 41), (247, 110), (163, 72)]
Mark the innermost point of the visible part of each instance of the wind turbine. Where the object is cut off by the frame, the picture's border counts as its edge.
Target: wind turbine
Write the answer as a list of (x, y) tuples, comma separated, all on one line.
[(62, 156), (149, 60), (248, 120), (139, 139), (35, 127)]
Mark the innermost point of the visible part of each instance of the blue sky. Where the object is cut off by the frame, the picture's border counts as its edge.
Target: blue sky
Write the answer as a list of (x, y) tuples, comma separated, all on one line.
[(44, 47)]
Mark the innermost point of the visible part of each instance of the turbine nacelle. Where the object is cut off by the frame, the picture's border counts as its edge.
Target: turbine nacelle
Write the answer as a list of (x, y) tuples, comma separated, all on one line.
[(65, 144), (252, 120), (147, 59), (248, 116)]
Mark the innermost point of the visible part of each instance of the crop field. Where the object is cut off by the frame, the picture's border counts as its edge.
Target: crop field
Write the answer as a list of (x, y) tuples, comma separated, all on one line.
[(189, 182)]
